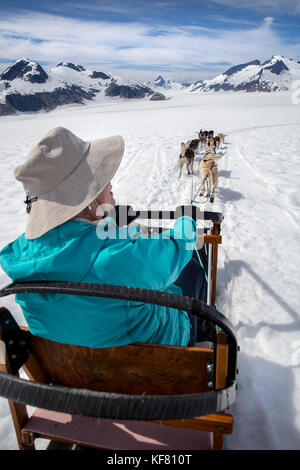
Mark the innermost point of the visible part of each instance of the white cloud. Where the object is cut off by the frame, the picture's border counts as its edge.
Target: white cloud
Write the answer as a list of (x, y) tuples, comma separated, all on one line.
[(53, 38), (263, 6)]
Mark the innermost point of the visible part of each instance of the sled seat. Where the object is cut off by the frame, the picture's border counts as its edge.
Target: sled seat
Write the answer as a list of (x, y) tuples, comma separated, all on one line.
[(132, 369)]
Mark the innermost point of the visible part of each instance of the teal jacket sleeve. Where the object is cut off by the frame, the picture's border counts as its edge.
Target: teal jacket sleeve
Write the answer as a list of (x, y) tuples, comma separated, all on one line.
[(153, 262)]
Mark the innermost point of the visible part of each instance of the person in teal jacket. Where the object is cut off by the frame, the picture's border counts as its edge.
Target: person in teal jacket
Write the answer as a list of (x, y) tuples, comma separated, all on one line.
[(69, 237)]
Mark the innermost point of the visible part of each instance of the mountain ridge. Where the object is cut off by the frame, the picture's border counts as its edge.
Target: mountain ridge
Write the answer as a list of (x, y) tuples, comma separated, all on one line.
[(25, 86), (275, 74)]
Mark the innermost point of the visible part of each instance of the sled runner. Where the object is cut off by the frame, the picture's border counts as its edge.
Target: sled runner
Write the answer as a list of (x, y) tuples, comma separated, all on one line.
[(138, 396)]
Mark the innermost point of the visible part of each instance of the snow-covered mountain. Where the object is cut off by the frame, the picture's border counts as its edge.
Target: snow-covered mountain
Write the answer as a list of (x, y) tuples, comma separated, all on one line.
[(276, 74), (161, 83), (27, 86)]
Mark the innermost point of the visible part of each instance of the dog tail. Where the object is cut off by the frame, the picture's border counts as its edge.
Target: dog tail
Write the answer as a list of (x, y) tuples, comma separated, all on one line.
[(183, 149), (210, 176)]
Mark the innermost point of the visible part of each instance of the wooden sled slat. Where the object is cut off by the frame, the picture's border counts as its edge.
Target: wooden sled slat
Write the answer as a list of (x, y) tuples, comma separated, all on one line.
[(131, 369)]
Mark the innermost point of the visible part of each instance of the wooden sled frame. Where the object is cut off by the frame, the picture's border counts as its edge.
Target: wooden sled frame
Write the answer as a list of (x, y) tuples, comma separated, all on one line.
[(211, 242), (132, 369)]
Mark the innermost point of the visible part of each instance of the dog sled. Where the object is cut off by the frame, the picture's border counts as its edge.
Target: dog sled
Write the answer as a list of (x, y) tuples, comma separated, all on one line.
[(138, 396)]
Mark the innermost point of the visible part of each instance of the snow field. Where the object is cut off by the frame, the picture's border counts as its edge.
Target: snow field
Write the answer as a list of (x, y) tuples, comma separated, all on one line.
[(261, 261)]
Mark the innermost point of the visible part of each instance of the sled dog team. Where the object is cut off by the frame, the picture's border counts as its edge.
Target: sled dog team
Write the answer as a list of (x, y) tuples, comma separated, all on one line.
[(207, 167)]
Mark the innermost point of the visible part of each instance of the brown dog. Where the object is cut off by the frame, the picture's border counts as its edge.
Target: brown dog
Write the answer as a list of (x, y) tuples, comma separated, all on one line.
[(211, 151), (222, 137), (209, 169)]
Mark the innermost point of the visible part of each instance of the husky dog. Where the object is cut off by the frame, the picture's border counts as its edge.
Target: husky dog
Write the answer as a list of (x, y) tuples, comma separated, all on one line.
[(217, 141), (202, 135), (211, 152), (186, 156), (209, 169), (194, 144)]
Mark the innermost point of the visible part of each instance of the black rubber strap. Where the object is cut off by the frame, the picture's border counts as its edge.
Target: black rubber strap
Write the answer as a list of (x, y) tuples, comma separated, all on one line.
[(114, 406), (187, 304), (180, 302)]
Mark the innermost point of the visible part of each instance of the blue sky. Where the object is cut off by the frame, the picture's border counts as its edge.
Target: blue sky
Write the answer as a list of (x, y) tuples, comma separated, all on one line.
[(185, 40)]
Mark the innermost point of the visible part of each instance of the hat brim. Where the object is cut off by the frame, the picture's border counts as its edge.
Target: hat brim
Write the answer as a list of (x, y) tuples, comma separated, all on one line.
[(78, 189)]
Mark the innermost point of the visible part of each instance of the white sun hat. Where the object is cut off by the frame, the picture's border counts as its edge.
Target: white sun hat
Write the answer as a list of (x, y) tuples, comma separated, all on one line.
[(63, 174)]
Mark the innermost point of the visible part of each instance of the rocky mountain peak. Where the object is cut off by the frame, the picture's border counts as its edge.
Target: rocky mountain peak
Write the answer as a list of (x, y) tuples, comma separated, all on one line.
[(26, 70), (101, 75), (159, 81), (70, 65), (237, 68), (276, 65)]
